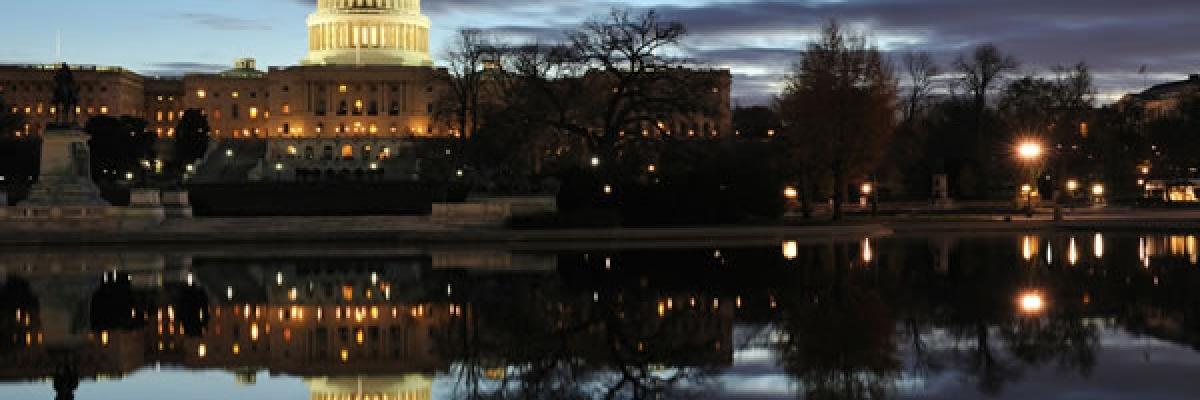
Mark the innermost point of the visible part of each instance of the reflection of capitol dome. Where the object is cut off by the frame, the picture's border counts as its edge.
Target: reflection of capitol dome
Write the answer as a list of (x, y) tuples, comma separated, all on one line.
[(368, 32), (406, 387)]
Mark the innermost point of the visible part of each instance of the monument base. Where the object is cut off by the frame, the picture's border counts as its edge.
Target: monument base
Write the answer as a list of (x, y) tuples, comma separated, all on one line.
[(65, 177)]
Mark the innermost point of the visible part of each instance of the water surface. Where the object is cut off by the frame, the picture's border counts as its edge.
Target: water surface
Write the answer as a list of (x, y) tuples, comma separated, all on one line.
[(1062, 316)]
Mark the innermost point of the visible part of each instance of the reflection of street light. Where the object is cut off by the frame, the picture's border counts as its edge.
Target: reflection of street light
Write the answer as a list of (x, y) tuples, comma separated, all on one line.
[(1031, 302), (867, 253), (791, 250)]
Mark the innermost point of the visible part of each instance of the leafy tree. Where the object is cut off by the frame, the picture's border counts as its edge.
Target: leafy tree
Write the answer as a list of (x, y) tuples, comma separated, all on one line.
[(756, 121), (839, 106), (19, 154), (119, 145), (192, 137)]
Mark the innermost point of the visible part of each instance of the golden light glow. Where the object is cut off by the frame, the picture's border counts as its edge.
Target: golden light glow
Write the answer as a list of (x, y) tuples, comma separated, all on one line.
[(237, 349), (1098, 189), (867, 188), (791, 250), (347, 292), (201, 93), (254, 331), (867, 254), (345, 355), (790, 193), (359, 337), (1029, 150), (1028, 247), (1072, 185), (1026, 188), (1031, 302), (1072, 252), (104, 338), (202, 350), (1098, 245)]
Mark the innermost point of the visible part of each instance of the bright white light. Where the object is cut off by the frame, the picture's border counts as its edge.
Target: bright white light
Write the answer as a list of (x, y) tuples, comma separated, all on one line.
[(1031, 302), (595, 161), (791, 250), (1029, 150)]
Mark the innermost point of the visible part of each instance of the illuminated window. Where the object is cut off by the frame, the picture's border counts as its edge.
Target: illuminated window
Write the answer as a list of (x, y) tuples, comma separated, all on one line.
[(159, 116), (201, 93), (374, 129), (253, 112), (342, 89), (286, 108), (348, 152), (347, 290), (103, 109), (235, 94)]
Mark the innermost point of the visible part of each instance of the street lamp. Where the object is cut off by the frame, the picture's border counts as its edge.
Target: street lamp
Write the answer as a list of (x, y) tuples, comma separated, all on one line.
[(1029, 152)]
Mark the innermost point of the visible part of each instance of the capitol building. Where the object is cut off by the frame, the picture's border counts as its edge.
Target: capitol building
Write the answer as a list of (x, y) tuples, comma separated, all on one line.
[(355, 105)]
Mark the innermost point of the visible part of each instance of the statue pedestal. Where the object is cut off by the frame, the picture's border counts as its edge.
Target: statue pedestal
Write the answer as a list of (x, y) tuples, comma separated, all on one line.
[(65, 177)]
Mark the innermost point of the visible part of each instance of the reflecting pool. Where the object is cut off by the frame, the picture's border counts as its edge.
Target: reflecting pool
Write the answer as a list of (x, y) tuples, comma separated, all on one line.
[(1083, 315)]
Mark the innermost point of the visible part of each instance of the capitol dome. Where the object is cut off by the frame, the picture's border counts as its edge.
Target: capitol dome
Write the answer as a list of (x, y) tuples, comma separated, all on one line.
[(368, 32)]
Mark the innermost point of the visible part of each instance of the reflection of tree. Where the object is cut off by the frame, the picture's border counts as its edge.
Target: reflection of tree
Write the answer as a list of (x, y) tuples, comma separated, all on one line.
[(975, 301), (840, 336), (15, 294), (533, 338)]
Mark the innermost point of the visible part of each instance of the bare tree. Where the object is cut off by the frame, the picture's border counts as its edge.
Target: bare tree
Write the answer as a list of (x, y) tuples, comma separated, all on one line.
[(466, 60), (839, 105), (635, 79), (980, 73), (921, 71)]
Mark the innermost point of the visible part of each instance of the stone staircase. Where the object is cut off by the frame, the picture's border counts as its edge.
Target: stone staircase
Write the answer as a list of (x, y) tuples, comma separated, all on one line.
[(230, 161)]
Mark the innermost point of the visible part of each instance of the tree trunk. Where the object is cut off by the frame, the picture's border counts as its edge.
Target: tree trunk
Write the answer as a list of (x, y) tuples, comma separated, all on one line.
[(805, 200), (839, 189)]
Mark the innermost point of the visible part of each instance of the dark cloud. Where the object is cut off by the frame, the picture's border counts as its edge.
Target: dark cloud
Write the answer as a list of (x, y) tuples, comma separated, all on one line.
[(169, 69), (224, 22), (759, 39)]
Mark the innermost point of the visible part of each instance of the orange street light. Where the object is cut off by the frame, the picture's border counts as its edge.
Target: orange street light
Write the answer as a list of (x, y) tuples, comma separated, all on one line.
[(1031, 302), (1029, 150)]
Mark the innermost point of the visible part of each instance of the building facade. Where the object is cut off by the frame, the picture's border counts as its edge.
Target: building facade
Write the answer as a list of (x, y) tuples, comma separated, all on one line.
[(365, 92)]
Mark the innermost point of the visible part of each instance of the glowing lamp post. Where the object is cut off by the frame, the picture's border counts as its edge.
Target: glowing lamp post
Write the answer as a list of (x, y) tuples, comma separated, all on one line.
[(1098, 193), (1029, 153)]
